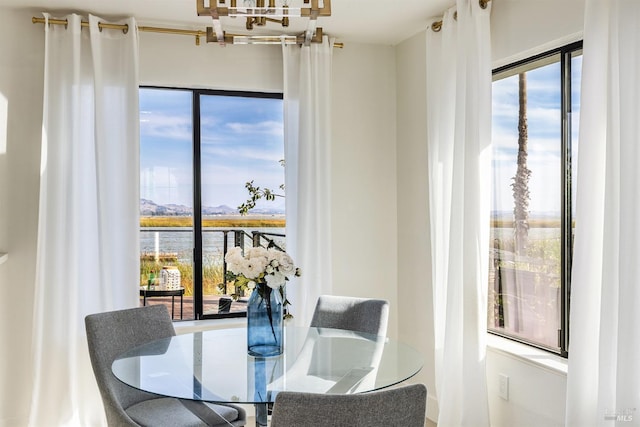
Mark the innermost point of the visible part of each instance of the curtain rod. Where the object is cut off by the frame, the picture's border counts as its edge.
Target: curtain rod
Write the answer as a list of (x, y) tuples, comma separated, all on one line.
[(437, 26), (124, 28)]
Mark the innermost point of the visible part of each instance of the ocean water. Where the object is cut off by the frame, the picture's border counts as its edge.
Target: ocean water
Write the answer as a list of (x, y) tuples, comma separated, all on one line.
[(179, 240)]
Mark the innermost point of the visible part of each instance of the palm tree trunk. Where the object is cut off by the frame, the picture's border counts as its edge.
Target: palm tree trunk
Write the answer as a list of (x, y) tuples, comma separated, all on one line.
[(520, 183)]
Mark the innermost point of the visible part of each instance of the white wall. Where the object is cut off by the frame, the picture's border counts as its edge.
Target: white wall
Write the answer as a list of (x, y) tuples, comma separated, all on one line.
[(363, 170), (522, 28), (363, 175), (414, 247), (536, 396), (175, 61)]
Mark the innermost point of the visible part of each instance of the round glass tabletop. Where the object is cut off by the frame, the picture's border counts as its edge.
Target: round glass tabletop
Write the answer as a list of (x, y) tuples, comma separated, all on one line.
[(214, 365)]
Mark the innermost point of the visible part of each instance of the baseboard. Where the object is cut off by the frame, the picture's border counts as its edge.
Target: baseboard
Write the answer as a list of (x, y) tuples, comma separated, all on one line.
[(432, 408)]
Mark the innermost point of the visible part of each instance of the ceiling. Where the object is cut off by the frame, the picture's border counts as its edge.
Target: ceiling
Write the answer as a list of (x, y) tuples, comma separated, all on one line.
[(358, 21)]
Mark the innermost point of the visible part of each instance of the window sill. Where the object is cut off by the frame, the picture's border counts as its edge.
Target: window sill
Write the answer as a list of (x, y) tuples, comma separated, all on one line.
[(527, 354)]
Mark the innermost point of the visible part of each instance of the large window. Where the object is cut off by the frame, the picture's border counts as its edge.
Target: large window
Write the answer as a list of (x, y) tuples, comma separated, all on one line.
[(535, 121), (198, 151)]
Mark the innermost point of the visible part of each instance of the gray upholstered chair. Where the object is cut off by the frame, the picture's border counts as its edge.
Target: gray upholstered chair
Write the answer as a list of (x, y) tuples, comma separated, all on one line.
[(111, 333), (351, 313), (403, 406), (341, 312)]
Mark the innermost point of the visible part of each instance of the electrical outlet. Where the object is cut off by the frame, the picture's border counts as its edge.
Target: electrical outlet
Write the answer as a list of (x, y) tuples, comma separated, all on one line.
[(504, 386)]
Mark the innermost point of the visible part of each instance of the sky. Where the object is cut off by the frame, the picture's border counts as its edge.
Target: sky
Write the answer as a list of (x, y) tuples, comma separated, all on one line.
[(544, 130), (242, 140)]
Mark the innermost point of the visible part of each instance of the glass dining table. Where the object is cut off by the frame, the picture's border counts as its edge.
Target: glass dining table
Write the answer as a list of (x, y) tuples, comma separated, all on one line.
[(214, 366)]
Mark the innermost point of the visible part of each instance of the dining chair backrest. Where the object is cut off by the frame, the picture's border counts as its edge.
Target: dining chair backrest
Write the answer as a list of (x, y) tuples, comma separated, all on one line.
[(351, 313), (110, 334), (402, 406)]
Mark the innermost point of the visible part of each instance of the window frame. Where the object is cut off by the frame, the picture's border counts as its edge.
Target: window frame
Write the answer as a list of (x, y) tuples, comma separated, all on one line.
[(196, 95), (566, 53)]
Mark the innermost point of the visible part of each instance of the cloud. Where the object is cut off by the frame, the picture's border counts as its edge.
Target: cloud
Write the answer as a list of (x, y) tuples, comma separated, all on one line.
[(241, 153), (544, 116), (172, 126), (269, 127), (241, 140), (544, 162)]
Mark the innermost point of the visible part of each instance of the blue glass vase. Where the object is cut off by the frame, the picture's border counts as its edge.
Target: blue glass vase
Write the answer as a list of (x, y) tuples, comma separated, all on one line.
[(264, 322)]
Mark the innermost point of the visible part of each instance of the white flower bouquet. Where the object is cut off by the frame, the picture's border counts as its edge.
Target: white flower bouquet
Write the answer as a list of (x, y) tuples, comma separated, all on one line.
[(264, 269)]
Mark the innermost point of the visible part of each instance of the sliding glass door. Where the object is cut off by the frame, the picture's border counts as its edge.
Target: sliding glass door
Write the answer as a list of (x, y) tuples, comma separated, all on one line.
[(206, 155)]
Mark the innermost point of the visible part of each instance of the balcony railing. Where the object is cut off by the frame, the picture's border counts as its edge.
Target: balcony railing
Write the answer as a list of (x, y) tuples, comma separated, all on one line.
[(162, 246)]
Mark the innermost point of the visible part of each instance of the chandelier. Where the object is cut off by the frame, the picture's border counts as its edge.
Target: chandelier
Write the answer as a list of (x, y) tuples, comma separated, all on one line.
[(258, 13)]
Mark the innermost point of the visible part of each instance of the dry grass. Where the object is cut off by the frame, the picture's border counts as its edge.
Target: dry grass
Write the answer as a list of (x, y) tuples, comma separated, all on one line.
[(533, 223), (222, 222), (211, 274)]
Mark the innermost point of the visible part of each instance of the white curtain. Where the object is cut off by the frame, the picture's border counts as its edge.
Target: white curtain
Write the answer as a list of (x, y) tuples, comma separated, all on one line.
[(459, 150), (307, 103), (88, 250), (603, 383)]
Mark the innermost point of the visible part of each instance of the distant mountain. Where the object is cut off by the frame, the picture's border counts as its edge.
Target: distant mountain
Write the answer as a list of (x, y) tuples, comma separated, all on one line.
[(150, 208), (264, 211), (218, 210)]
